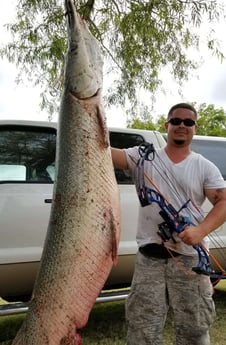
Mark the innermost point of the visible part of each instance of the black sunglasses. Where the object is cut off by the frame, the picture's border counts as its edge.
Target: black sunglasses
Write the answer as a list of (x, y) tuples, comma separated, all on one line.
[(176, 121)]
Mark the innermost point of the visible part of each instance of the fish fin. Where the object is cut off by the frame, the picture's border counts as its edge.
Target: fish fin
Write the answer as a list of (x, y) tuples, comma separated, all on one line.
[(115, 240), (103, 125), (78, 339)]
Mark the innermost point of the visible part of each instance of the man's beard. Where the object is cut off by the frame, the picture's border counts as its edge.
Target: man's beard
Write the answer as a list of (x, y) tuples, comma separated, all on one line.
[(179, 142)]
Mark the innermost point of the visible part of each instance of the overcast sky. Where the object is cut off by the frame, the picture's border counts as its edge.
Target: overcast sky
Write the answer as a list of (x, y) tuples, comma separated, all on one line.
[(22, 102)]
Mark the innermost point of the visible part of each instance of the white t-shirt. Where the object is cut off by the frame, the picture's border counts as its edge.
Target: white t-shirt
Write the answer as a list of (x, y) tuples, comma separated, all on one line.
[(178, 182)]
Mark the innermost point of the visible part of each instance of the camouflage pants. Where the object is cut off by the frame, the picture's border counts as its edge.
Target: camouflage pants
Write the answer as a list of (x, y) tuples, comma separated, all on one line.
[(159, 284)]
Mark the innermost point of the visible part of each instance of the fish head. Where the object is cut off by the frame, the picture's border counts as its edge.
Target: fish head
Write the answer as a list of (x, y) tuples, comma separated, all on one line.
[(84, 63)]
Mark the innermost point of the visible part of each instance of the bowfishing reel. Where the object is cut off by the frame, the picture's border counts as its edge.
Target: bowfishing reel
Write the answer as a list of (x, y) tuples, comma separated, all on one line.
[(164, 232)]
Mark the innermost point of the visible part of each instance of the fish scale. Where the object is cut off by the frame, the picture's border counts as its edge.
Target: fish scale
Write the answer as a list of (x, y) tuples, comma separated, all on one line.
[(84, 227)]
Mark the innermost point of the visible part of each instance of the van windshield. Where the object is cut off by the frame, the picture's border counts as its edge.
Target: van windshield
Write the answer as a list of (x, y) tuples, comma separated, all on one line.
[(215, 151)]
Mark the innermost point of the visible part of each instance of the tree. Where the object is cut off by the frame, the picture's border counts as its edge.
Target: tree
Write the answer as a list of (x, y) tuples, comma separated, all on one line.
[(139, 38), (160, 124), (211, 121), (142, 121)]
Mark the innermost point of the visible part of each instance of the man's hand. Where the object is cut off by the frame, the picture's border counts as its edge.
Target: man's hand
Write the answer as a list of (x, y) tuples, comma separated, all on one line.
[(191, 235)]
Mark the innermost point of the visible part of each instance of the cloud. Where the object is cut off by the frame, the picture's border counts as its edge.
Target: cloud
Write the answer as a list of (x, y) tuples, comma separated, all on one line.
[(219, 86), (18, 101)]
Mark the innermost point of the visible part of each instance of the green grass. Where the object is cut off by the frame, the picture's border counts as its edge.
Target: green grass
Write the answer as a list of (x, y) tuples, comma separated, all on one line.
[(106, 324)]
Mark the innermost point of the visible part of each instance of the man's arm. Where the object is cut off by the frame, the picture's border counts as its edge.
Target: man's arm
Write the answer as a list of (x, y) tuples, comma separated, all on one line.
[(215, 218), (217, 215), (119, 159)]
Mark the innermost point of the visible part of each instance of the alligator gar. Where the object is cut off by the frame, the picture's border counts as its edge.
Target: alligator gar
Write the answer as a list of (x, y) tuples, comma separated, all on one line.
[(83, 232)]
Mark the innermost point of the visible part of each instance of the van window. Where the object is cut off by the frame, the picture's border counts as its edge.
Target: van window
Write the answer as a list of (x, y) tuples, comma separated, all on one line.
[(213, 150), (12, 172), (123, 141), (27, 154)]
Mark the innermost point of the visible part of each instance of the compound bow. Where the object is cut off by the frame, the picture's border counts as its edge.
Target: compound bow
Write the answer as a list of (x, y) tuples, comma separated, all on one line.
[(173, 220)]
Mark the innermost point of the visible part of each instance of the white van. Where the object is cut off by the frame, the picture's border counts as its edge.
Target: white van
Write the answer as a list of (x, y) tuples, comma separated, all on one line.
[(27, 155)]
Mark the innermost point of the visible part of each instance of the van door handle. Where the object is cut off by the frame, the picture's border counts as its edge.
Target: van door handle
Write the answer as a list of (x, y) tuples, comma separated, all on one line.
[(48, 201)]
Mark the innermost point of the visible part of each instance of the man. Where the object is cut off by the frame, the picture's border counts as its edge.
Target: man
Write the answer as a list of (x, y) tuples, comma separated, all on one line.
[(163, 276)]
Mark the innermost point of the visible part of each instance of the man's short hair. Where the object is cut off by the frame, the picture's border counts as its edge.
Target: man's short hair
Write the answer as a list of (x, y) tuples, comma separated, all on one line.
[(183, 106)]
